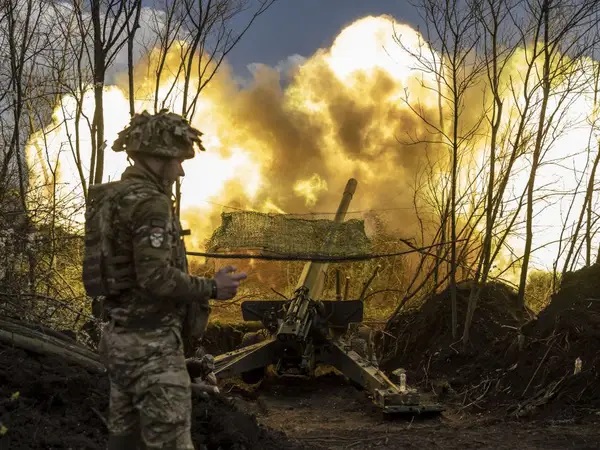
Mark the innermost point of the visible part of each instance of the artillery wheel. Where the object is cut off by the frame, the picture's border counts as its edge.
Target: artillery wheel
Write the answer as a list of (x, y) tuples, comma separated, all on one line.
[(255, 375)]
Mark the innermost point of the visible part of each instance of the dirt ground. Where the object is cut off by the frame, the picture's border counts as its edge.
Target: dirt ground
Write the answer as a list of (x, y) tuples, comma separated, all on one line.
[(330, 413), (47, 404)]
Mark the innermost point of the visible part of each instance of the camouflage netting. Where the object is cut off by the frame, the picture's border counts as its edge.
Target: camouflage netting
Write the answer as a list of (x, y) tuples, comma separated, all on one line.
[(289, 235)]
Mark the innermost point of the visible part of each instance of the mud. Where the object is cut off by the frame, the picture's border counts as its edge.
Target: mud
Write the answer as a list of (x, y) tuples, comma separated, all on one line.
[(567, 329), (46, 404), (514, 369), (514, 387)]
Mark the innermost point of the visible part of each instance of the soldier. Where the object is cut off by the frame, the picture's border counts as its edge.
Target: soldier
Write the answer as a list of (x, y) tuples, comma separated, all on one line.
[(151, 297)]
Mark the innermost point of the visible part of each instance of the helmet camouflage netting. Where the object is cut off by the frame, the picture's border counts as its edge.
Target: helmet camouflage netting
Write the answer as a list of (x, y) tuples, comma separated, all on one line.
[(164, 134)]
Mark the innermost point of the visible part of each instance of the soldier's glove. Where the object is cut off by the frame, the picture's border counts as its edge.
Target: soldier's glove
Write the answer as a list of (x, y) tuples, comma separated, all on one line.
[(227, 282)]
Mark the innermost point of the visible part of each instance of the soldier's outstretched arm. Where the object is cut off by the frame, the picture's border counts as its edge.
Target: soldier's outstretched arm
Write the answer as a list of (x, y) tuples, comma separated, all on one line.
[(150, 220)]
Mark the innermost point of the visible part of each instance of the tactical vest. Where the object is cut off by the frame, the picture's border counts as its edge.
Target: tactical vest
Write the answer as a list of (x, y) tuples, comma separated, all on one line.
[(105, 272)]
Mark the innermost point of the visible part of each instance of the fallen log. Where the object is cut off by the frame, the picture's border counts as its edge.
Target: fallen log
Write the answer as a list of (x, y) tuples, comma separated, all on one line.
[(33, 331), (43, 329), (35, 341)]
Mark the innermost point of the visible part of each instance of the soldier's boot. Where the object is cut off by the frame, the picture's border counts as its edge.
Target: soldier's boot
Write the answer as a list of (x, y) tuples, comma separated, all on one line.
[(130, 441)]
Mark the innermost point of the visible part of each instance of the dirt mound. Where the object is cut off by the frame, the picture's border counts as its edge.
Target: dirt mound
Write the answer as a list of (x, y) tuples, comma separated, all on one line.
[(527, 374), (567, 329), (577, 302), (421, 340), (46, 403)]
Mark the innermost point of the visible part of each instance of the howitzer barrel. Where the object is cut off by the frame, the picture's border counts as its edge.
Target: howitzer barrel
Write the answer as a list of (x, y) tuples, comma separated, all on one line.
[(313, 275), (346, 198)]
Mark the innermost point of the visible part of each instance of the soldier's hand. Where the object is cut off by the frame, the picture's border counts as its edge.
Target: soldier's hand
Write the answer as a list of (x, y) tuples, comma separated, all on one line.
[(228, 282)]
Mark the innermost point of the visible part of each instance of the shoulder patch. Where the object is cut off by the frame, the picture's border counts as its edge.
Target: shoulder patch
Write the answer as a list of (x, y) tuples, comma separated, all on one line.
[(157, 236)]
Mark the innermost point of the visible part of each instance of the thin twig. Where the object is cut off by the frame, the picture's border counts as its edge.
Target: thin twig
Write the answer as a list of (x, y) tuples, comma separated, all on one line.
[(489, 384), (538, 368), (279, 293), (368, 283), (100, 416), (363, 440)]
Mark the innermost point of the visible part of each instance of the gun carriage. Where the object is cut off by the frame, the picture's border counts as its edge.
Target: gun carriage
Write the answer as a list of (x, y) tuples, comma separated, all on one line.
[(306, 331)]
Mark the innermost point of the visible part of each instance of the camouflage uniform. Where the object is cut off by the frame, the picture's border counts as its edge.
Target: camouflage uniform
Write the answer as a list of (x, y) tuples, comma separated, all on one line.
[(142, 346)]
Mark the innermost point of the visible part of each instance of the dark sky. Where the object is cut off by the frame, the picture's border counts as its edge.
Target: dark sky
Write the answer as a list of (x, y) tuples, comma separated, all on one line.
[(302, 26)]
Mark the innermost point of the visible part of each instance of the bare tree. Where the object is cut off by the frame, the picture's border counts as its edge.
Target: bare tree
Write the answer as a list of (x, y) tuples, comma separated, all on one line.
[(113, 23), (491, 17), (452, 33), (23, 83), (24, 43), (585, 215), (73, 77), (562, 33), (210, 30), (130, 33)]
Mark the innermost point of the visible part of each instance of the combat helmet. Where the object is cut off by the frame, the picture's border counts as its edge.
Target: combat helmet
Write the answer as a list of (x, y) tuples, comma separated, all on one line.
[(164, 134)]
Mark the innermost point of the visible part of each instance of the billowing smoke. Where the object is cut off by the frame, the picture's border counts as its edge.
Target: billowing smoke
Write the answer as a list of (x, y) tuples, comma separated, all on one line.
[(342, 114), (288, 139)]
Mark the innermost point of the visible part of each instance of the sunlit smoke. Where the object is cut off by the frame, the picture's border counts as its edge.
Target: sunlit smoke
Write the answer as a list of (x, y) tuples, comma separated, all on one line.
[(310, 189)]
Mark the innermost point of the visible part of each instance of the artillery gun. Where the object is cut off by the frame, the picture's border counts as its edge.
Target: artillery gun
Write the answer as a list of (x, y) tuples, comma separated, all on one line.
[(305, 331)]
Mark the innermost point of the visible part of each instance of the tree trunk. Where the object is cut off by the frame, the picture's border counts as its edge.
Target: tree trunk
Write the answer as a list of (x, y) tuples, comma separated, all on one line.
[(536, 158), (99, 74)]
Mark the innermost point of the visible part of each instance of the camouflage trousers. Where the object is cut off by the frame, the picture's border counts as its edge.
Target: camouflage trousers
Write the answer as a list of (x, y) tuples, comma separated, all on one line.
[(150, 390)]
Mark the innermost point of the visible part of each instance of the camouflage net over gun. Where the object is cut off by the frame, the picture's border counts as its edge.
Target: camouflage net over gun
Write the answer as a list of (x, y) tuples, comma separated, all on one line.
[(289, 236)]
